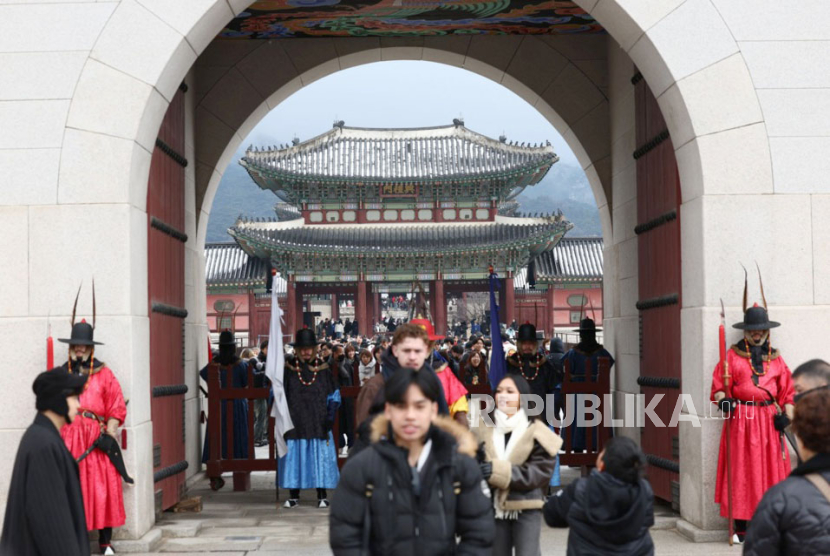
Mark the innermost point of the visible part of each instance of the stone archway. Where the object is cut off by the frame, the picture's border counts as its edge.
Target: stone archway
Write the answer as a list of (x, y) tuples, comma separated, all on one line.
[(703, 87)]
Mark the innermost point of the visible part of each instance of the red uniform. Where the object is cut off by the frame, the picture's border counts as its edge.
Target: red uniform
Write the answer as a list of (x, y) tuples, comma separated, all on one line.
[(758, 461), (100, 482)]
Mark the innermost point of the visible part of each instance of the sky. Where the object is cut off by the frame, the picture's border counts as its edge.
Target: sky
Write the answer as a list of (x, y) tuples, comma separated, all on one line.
[(406, 94)]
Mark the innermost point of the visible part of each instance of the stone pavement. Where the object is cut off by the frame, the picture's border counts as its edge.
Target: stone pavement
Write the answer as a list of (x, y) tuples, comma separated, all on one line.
[(250, 523)]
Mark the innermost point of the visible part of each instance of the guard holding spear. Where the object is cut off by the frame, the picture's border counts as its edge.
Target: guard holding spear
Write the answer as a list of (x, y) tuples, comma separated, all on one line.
[(751, 384)]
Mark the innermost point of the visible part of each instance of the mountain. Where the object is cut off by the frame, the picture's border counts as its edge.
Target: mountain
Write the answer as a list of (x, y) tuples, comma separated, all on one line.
[(564, 188), (237, 195)]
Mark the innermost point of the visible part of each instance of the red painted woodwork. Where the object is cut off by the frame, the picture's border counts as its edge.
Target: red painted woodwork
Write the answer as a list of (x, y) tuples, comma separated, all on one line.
[(361, 313), (439, 314), (165, 262), (298, 306), (658, 192), (291, 321), (602, 389), (532, 306), (217, 396), (509, 303), (335, 307)]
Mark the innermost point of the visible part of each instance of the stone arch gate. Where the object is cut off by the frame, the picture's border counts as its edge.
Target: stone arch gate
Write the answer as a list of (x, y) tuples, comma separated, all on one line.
[(91, 139)]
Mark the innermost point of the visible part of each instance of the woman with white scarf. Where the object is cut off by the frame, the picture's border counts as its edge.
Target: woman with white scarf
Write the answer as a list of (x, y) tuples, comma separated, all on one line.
[(366, 367), (518, 457)]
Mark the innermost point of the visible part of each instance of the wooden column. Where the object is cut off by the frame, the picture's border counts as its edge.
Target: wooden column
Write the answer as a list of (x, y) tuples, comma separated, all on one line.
[(299, 306), (361, 312), (551, 310), (370, 310), (335, 307), (291, 306), (439, 309), (509, 300), (252, 319)]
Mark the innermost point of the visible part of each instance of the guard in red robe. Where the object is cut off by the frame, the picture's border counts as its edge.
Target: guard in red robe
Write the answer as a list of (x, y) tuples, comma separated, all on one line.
[(759, 403), (102, 410)]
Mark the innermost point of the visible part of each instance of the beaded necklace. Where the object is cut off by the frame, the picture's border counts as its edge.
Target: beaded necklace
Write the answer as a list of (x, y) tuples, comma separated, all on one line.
[(749, 358), (315, 369), (536, 366)]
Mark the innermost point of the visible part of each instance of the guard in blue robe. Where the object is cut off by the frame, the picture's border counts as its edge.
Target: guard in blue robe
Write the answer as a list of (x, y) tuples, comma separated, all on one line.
[(313, 399), (238, 369), (586, 353)]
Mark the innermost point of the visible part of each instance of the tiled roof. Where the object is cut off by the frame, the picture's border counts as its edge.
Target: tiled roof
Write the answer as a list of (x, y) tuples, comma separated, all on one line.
[(572, 259), (226, 264), (417, 154), (376, 238), (287, 211)]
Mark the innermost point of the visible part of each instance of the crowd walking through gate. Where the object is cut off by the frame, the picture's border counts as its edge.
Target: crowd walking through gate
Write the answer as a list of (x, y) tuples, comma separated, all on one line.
[(390, 433)]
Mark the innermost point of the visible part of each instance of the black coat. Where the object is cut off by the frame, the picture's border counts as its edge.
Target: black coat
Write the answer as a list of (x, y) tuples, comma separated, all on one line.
[(540, 373), (307, 400), (45, 507), (454, 500), (606, 516), (793, 517)]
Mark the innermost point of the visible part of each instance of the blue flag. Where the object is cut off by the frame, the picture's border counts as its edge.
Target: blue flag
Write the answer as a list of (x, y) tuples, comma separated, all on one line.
[(498, 366)]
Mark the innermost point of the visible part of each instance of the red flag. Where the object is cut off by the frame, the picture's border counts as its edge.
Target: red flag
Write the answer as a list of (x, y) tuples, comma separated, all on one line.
[(50, 353), (50, 349)]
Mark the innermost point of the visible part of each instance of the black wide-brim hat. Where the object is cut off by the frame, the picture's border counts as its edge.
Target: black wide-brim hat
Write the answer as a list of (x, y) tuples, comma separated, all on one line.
[(527, 333), (756, 318), (226, 338), (305, 337), (587, 325), (82, 334)]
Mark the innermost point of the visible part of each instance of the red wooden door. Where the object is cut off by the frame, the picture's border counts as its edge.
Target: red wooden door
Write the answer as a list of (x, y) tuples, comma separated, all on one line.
[(658, 232), (165, 254)]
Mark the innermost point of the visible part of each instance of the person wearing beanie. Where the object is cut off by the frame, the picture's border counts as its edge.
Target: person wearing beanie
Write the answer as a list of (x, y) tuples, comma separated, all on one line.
[(45, 507)]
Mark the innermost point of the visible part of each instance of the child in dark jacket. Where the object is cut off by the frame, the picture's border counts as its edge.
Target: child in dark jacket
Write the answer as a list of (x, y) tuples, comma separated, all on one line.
[(610, 511)]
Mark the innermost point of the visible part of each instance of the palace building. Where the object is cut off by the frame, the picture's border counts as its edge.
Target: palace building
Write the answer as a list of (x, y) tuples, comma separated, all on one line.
[(369, 211), (568, 281)]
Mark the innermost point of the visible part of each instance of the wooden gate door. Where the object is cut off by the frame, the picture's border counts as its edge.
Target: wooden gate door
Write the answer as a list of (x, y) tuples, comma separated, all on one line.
[(658, 233), (165, 254)]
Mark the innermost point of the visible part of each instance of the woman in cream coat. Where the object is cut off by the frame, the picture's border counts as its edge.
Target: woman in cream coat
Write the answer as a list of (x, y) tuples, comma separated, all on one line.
[(518, 456)]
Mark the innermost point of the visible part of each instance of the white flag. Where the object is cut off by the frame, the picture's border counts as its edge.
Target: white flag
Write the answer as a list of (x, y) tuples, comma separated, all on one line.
[(275, 370)]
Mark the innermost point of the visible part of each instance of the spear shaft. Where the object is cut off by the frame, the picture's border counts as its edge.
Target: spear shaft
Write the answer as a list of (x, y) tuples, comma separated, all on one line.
[(727, 387)]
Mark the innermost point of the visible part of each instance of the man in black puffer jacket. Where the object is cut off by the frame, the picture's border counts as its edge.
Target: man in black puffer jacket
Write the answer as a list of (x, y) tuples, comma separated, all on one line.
[(416, 490), (610, 511), (793, 517)]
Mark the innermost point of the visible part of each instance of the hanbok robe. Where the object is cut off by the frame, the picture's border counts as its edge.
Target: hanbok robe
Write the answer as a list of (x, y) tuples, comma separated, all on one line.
[(758, 459), (100, 482)]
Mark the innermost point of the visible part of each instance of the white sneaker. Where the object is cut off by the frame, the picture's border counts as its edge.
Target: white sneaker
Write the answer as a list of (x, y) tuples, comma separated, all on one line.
[(323, 503), (108, 551), (736, 539), (291, 503)]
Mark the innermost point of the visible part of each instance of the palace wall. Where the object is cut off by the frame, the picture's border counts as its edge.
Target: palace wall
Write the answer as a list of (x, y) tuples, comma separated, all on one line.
[(743, 85)]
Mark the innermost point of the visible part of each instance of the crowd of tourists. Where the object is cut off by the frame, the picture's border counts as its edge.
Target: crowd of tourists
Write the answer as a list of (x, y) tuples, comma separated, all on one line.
[(426, 475)]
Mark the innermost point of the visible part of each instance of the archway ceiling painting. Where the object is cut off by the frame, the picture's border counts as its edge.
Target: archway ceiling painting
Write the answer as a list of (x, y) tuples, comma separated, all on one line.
[(272, 19)]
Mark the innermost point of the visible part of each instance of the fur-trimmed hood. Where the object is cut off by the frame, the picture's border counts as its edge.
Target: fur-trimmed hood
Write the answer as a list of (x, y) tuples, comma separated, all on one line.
[(464, 439)]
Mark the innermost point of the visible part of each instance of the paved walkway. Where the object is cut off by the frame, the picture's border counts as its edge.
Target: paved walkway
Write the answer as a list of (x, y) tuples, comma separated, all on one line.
[(249, 523)]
